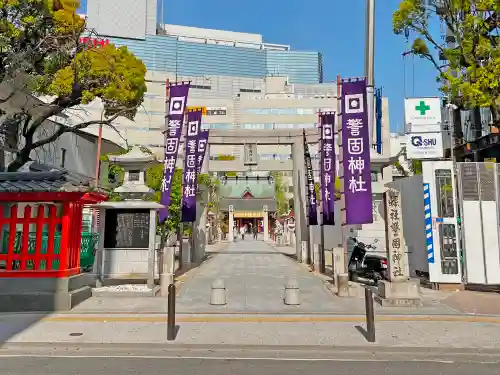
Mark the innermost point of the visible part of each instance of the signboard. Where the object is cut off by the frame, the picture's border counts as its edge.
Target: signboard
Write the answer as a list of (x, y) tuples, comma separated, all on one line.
[(190, 172), (423, 114), (248, 215), (251, 154), (126, 229), (394, 235), (94, 41), (194, 109), (425, 146), (356, 146), (216, 111)]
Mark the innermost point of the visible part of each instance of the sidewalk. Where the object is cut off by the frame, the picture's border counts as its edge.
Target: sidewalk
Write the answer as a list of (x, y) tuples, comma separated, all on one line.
[(254, 274), (255, 330)]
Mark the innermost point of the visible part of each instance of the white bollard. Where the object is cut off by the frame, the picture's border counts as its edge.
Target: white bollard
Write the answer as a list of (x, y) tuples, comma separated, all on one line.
[(218, 293), (343, 285), (292, 293)]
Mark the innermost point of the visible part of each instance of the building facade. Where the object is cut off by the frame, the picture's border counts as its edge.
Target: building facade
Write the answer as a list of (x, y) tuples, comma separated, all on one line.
[(238, 79)]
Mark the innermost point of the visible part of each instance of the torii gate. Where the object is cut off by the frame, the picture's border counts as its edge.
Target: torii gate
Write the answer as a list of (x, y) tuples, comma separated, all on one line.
[(250, 139)]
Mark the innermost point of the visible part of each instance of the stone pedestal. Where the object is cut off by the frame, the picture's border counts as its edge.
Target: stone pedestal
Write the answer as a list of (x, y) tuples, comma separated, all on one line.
[(338, 262), (44, 294), (404, 293)]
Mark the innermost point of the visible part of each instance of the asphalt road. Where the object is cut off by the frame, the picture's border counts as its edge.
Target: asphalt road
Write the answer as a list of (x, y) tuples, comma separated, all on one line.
[(194, 366)]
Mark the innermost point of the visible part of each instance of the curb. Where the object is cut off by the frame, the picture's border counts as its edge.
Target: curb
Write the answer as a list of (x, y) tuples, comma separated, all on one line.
[(270, 319)]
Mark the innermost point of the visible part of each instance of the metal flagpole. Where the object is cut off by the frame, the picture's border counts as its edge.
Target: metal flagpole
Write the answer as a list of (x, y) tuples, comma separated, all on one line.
[(370, 63), (321, 249)]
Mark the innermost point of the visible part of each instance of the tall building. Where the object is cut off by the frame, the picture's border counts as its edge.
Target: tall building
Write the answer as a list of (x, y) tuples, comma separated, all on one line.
[(242, 81)]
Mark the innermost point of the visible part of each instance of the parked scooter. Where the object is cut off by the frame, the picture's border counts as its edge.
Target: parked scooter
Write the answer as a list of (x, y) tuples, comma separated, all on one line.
[(363, 264)]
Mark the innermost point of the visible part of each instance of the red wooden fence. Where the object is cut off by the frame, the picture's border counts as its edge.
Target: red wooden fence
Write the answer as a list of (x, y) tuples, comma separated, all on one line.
[(43, 259)]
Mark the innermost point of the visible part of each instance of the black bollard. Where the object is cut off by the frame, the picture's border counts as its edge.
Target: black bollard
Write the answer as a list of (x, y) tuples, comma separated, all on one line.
[(370, 315), (171, 313)]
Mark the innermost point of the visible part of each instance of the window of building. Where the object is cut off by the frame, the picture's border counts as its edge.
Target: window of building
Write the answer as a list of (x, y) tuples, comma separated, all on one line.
[(250, 90), (201, 87), (63, 157), (374, 176), (280, 111), (217, 126)]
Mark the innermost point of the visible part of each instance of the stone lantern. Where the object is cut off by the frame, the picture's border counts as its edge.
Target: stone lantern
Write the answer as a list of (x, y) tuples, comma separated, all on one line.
[(127, 232)]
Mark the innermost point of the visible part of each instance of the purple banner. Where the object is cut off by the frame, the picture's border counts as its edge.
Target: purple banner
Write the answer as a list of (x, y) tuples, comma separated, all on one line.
[(202, 148), (174, 121), (327, 123), (356, 153), (312, 211), (190, 173)]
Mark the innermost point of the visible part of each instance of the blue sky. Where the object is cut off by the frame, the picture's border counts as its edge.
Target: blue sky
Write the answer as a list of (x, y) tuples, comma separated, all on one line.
[(333, 27)]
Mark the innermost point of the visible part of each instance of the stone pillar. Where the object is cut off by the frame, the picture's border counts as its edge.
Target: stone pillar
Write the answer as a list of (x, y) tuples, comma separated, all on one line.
[(400, 290), (396, 255), (266, 223), (230, 235), (152, 249), (299, 195), (200, 232)]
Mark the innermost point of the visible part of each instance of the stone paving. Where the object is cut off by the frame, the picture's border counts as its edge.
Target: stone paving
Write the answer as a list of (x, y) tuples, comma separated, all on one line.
[(254, 274)]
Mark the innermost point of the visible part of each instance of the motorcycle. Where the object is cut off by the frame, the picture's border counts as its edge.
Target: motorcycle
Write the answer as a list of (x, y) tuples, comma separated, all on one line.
[(363, 264)]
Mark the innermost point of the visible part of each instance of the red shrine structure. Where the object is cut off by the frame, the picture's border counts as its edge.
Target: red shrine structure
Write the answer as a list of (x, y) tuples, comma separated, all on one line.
[(40, 240)]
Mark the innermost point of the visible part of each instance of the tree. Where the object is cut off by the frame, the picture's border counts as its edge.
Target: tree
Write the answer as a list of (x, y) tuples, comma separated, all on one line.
[(280, 194), (154, 176), (471, 75), (42, 57)]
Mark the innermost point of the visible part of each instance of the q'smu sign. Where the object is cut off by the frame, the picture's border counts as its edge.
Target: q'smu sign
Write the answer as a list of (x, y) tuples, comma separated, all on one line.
[(394, 236)]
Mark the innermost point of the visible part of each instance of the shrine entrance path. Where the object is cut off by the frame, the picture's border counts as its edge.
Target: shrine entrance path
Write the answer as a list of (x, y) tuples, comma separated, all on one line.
[(254, 273)]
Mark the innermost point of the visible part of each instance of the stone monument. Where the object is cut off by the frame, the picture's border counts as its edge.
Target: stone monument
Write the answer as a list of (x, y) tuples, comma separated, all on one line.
[(125, 262), (400, 290)]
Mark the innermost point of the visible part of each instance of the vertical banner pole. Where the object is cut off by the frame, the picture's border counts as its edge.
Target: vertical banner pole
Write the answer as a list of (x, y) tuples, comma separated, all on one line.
[(343, 228)]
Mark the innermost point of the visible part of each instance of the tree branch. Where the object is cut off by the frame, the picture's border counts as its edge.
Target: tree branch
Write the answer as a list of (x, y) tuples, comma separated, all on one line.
[(71, 129)]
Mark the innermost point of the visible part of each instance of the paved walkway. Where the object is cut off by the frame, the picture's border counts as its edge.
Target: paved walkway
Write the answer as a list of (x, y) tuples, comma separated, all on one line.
[(255, 275), (245, 330)]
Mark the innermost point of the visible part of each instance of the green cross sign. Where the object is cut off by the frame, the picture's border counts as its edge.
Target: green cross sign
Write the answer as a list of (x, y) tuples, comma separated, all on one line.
[(422, 108)]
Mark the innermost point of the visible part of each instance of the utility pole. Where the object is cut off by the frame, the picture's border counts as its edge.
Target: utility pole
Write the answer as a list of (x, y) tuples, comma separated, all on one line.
[(370, 64)]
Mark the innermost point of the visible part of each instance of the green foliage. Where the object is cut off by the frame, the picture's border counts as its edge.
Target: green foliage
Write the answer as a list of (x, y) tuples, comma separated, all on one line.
[(416, 166), (317, 188), (154, 176), (41, 53), (112, 74), (225, 157), (280, 193), (477, 57)]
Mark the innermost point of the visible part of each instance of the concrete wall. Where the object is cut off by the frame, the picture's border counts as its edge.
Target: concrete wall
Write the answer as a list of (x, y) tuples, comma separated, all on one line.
[(75, 152), (127, 264), (122, 18)]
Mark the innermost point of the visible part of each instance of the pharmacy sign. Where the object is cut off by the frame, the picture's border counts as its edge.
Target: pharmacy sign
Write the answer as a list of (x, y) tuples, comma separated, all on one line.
[(423, 114)]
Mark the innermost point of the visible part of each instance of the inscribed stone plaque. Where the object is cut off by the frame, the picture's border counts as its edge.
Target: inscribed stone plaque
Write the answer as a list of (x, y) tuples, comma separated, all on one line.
[(251, 154), (394, 235), (127, 229)]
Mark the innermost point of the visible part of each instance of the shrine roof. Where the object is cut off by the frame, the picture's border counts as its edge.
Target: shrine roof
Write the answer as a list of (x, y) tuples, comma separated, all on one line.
[(254, 204), (35, 179)]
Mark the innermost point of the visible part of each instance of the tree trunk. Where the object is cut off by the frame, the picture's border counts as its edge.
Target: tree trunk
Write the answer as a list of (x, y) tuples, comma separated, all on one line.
[(22, 158)]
